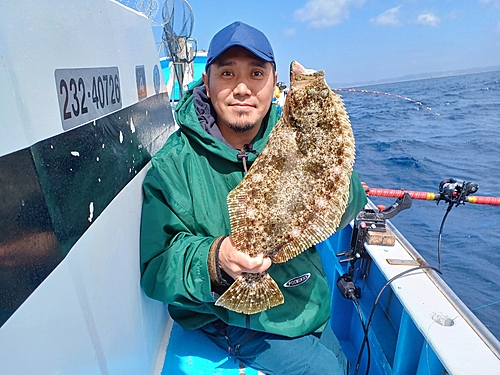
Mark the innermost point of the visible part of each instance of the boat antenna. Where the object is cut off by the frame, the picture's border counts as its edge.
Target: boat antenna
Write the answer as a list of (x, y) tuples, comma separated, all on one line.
[(178, 23)]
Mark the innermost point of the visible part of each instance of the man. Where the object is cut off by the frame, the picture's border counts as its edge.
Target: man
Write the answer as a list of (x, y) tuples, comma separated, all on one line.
[(187, 256), (280, 96)]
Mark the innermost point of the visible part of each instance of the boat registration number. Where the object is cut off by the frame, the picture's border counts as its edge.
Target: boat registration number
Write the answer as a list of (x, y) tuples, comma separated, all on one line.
[(86, 94)]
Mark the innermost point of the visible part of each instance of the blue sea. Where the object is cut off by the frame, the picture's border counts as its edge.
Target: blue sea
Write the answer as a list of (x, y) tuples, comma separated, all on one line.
[(453, 133)]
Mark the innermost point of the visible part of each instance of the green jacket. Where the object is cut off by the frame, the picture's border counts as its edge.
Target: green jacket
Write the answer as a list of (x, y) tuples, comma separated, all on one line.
[(185, 210)]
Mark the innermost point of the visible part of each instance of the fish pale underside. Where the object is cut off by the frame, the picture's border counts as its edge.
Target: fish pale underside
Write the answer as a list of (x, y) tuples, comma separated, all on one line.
[(297, 189)]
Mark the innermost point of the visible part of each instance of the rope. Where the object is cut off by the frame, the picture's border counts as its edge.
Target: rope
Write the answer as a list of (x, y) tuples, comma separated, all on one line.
[(375, 92), (483, 306), (243, 155)]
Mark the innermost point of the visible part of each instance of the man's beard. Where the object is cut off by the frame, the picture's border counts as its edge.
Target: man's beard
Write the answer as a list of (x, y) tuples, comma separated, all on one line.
[(242, 124), (241, 128)]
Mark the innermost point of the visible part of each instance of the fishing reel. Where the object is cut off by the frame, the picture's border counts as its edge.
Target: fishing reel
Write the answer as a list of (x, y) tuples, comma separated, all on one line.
[(455, 192)]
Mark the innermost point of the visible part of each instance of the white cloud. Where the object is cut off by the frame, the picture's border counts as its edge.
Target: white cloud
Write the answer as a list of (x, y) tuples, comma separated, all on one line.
[(493, 3), (389, 17), (427, 18), (290, 32), (325, 13)]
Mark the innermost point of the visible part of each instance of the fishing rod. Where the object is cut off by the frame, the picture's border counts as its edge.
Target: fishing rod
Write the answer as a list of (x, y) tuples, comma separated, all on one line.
[(450, 189)]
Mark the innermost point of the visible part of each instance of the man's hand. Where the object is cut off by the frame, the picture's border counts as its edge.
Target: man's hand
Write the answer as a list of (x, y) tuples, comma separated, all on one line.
[(234, 262)]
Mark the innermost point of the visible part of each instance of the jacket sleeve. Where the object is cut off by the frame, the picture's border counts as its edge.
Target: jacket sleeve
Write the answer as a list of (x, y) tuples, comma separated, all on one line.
[(173, 260), (357, 200)]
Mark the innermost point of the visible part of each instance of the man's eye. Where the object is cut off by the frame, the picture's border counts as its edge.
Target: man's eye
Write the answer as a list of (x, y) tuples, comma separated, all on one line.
[(226, 73), (258, 73)]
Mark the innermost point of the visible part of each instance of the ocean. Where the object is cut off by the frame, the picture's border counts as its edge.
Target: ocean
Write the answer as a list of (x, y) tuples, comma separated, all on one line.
[(412, 135)]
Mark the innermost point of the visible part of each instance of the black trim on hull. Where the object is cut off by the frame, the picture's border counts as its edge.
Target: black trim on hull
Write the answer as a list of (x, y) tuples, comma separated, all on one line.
[(52, 192)]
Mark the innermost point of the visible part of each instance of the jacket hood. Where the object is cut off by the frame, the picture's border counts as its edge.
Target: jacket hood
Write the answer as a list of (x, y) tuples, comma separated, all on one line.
[(196, 119)]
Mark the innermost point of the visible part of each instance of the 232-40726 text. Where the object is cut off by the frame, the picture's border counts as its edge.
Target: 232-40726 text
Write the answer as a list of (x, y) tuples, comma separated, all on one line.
[(86, 94)]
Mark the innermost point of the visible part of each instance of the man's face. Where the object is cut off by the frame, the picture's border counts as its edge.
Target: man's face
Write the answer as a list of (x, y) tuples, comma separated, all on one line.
[(241, 88)]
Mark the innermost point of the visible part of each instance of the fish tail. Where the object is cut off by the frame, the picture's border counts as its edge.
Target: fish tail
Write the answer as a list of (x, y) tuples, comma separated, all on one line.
[(251, 293)]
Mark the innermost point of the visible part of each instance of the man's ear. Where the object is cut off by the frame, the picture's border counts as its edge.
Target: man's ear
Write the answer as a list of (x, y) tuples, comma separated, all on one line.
[(205, 80), (275, 78)]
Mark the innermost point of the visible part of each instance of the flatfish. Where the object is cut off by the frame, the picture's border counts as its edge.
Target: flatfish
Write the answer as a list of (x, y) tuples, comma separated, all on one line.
[(296, 191)]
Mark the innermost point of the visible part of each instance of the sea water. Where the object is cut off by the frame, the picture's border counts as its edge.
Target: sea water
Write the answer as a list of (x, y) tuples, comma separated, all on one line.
[(412, 135)]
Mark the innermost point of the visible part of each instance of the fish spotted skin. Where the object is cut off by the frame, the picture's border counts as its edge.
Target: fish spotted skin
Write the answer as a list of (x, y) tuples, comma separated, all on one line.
[(296, 191)]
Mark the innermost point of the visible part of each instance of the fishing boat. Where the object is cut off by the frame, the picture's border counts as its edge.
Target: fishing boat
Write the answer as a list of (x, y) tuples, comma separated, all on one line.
[(84, 106)]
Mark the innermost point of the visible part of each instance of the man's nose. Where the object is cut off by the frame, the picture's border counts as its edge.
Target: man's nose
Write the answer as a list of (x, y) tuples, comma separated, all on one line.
[(242, 89)]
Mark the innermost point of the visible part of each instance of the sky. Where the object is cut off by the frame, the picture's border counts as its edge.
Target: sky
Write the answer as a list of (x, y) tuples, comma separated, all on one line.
[(362, 40)]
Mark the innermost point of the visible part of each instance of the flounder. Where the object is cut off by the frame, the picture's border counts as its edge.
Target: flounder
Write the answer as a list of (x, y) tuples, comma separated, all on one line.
[(296, 191)]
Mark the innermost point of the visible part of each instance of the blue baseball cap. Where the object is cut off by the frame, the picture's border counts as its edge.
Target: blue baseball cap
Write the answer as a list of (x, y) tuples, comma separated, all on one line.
[(243, 35)]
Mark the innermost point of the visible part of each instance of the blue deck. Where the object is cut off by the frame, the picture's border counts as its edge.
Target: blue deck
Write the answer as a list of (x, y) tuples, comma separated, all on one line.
[(191, 352)]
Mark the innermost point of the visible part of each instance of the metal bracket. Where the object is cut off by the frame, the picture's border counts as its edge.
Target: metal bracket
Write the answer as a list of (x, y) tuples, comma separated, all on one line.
[(370, 220)]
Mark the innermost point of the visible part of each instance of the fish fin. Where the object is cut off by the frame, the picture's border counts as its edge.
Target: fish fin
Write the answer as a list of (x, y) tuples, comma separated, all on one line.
[(251, 293), (237, 204), (322, 229), (310, 238)]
